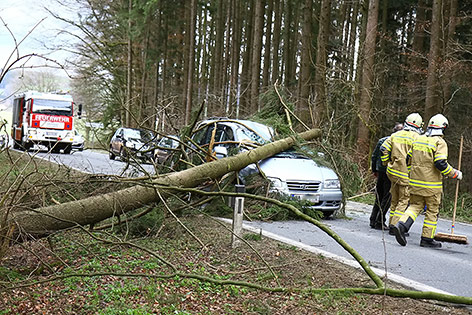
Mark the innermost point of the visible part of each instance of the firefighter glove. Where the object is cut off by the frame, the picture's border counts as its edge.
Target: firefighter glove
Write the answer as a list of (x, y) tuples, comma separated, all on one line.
[(457, 175)]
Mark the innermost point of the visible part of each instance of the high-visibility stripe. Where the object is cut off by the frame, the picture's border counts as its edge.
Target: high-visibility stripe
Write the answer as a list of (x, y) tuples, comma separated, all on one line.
[(440, 157), (447, 170), (397, 173), (402, 139), (386, 146), (398, 213), (420, 183), (411, 214), (423, 146), (430, 223)]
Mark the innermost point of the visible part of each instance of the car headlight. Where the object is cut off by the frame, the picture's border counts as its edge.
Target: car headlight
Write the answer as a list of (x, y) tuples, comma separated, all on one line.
[(129, 144), (278, 184), (332, 184)]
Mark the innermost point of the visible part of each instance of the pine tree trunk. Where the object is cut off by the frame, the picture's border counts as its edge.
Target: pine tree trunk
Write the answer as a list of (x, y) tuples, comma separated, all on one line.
[(449, 51), (305, 83), (320, 78), (43, 221), (278, 9), (267, 46), (247, 61), (191, 60), (256, 55), (129, 82), (415, 78), (235, 55), (367, 83), (433, 100)]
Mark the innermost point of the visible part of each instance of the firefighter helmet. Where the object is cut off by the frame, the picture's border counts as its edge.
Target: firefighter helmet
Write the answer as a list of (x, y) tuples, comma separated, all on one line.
[(414, 120), (438, 121), (436, 125)]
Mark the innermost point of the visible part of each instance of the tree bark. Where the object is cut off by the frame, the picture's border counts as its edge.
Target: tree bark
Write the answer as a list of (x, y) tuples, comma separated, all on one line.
[(129, 81), (320, 78), (191, 61), (278, 8), (235, 56), (367, 82), (256, 55), (218, 52), (267, 46), (306, 62), (449, 51), (432, 105), (415, 80), (42, 221)]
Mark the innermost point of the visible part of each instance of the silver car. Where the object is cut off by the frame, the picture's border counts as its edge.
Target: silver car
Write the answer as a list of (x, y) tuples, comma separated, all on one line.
[(291, 173)]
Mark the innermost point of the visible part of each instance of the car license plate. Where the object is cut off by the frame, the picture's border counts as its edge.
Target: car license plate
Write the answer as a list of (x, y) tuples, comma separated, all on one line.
[(310, 197)]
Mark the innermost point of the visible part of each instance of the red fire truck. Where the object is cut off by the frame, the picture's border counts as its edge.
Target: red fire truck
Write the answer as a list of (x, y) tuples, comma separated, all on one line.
[(43, 119)]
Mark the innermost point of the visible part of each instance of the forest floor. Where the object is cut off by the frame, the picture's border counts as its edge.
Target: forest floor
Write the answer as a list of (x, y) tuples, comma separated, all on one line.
[(83, 274)]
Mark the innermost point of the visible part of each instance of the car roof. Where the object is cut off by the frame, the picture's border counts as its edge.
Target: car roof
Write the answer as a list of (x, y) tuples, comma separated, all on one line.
[(264, 131)]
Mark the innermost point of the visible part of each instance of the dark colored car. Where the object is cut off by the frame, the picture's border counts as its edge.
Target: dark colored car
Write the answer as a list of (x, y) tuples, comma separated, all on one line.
[(133, 143), (165, 147)]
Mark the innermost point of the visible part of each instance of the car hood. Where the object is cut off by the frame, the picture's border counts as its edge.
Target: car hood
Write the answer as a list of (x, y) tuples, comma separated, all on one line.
[(297, 169), (138, 144)]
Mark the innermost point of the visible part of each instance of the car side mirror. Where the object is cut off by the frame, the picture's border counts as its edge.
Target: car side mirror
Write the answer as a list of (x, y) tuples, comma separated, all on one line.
[(221, 151)]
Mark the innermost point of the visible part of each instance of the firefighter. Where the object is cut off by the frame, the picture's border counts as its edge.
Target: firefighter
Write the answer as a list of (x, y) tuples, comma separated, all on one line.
[(428, 164), (382, 186), (394, 151)]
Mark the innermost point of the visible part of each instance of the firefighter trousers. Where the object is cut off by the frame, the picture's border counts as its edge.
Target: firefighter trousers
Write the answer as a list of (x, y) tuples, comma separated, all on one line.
[(400, 197), (417, 204)]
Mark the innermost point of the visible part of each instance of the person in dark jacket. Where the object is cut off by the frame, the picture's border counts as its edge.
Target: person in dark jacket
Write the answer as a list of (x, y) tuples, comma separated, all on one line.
[(382, 187)]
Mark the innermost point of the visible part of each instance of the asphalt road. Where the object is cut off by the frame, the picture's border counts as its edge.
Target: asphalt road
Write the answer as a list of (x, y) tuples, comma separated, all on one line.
[(96, 163), (447, 270)]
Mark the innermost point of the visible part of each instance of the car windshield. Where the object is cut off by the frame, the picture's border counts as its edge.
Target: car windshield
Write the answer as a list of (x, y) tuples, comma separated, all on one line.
[(290, 154), (138, 134), (168, 143), (246, 134)]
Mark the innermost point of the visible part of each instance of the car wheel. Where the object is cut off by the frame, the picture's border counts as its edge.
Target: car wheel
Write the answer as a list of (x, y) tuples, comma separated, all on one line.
[(16, 144), (68, 149), (327, 214), (111, 155)]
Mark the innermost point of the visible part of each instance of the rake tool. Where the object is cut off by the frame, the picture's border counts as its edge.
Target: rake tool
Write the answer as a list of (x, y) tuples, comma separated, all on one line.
[(454, 238)]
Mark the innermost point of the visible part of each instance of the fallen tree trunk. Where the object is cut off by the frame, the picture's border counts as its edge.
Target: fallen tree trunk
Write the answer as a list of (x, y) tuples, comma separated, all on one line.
[(43, 221)]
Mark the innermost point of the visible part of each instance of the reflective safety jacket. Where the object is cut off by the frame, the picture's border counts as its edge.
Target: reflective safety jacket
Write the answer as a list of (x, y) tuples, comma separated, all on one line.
[(394, 152), (376, 162), (428, 164)]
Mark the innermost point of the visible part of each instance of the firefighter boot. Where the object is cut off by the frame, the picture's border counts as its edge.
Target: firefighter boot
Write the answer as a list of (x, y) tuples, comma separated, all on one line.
[(391, 229), (401, 230), (429, 242)]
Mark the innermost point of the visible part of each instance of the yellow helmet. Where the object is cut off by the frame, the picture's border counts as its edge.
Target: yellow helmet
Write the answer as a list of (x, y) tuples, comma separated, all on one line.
[(414, 120), (438, 121)]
